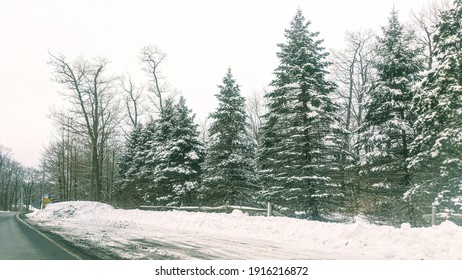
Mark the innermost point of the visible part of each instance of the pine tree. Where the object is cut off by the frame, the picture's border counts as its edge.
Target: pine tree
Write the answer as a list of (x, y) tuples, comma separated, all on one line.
[(229, 167), (159, 191), (126, 192), (180, 155), (142, 163), (388, 126), (299, 155), (136, 166), (161, 163), (437, 149)]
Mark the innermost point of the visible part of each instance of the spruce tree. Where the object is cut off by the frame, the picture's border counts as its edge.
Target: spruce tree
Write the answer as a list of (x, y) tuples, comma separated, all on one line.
[(144, 161), (388, 126), (161, 162), (136, 166), (159, 190), (299, 155), (126, 192), (180, 155), (437, 149), (229, 167)]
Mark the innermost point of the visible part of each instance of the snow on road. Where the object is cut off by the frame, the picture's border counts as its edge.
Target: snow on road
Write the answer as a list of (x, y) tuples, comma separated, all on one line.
[(136, 234)]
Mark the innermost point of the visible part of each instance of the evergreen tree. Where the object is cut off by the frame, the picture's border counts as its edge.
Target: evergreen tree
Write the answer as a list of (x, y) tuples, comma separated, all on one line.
[(299, 157), (229, 167), (161, 163), (437, 149), (180, 155), (159, 191), (388, 126), (136, 166), (145, 161), (126, 193)]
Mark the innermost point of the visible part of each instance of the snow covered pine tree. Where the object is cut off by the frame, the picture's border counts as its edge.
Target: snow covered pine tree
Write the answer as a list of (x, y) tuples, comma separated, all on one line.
[(299, 156), (437, 149), (229, 169), (173, 157), (180, 155), (126, 193), (136, 166), (387, 131)]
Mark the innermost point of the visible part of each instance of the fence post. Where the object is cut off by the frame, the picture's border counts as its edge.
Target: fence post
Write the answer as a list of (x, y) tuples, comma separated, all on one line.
[(433, 215), (270, 210), (227, 207)]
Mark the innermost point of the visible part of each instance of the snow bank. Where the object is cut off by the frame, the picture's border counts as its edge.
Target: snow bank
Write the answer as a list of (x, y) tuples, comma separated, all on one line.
[(239, 236), (71, 210)]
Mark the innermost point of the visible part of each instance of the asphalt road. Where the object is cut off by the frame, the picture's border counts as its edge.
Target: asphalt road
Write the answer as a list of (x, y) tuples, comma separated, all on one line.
[(20, 242)]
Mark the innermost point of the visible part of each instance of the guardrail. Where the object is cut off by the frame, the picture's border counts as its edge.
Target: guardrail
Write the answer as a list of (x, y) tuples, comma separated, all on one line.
[(441, 216), (224, 208)]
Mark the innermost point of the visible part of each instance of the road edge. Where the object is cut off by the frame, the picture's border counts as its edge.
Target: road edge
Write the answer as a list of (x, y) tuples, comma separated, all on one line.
[(60, 246), (86, 251)]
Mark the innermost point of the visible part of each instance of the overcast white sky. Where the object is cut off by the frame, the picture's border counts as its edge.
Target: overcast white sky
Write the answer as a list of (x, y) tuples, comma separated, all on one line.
[(201, 39)]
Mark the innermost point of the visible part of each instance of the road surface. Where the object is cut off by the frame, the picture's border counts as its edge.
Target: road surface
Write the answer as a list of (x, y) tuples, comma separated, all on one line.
[(20, 242)]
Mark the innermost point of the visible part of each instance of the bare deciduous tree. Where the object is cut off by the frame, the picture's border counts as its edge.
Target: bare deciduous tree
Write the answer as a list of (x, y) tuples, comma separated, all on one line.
[(94, 107), (133, 100), (151, 58), (353, 73), (66, 161), (5, 176), (204, 125), (31, 180), (256, 109), (426, 21), (11, 181)]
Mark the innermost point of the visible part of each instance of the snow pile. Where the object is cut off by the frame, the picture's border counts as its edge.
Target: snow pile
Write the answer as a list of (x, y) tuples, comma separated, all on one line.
[(70, 210), (137, 234)]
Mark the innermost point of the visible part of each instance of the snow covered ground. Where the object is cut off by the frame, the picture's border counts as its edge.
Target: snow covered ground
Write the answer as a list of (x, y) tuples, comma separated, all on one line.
[(136, 234)]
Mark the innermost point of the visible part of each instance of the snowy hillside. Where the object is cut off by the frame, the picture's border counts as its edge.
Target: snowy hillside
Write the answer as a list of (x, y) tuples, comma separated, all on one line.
[(136, 234)]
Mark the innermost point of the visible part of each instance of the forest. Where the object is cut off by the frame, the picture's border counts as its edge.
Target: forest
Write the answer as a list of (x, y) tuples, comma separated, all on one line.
[(370, 129)]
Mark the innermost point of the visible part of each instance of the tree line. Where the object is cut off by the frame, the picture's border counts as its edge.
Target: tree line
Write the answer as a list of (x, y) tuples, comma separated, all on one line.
[(19, 185), (372, 129)]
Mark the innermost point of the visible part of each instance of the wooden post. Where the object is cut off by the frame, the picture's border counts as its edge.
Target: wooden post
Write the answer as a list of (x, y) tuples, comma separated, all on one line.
[(433, 215), (227, 207), (270, 210)]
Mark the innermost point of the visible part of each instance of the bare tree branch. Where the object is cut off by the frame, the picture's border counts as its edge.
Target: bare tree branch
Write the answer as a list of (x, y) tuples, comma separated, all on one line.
[(151, 57), (426, 21), (94, 107), (256, 108)]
